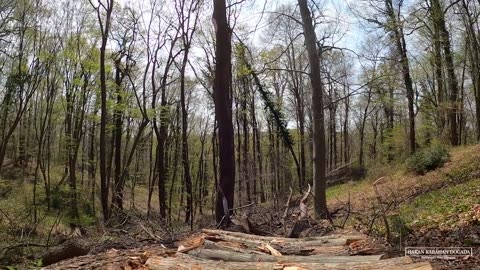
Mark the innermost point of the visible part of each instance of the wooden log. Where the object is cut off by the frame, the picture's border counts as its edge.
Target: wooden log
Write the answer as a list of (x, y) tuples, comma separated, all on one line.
[(229, 246), (279, 241), (330, 238), (285, 249), (73, 247), (187, 262), (229, 256), (330, 250)]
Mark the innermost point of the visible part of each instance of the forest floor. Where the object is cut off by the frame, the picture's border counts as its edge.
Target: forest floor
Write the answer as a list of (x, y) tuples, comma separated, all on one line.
[(438, 209)]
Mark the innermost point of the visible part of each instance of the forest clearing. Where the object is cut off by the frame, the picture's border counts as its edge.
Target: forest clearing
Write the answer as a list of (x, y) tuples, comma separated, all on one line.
[(239, 134)]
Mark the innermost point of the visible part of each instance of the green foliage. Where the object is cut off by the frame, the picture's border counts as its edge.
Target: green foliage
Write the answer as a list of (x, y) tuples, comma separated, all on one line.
[(58, 197), (37, 263), (398, 227), (394, 143), (15, 80), (442, 207), (428, 159)]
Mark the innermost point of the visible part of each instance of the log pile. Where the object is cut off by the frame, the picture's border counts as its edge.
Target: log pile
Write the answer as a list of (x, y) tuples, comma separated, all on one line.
[(217, 249)]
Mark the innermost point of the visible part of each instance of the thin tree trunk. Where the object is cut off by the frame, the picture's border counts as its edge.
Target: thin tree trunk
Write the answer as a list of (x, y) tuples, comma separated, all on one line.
[(105, 29)]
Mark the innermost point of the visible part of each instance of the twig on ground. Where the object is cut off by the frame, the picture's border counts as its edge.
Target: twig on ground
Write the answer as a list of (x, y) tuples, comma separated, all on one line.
[(243, 206), (148, 232)]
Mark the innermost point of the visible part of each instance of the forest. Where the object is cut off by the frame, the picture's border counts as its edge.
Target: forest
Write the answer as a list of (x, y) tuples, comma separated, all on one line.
[(171, 116)]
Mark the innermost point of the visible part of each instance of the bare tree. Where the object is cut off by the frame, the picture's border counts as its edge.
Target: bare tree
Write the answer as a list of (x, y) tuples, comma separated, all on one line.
[(223, 112), (319, 155), (104, 14)]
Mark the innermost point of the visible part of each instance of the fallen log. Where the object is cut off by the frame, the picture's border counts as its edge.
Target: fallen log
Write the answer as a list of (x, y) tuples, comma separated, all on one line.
[(327, 239), (73, 247), (188, 262), (280, 241), (229, 256), (285, 249), (229, 246)]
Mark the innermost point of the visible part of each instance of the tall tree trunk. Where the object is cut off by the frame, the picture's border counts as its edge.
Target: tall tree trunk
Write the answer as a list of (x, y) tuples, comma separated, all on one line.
[(239, 166), (105, 30), (438, 17), (474, 59), (223, 112), (246, 140), (117, 197), (92, 163), (319, 181), (346, 146), (185, 158), (395, 26)]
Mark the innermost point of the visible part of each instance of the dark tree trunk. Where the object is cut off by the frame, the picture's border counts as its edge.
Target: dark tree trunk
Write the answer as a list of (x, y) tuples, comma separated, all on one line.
[(117, 197), (104, 180), (438, 17), (223, 113), (474, 59), (319, 181), (185, 157), (346, 145)]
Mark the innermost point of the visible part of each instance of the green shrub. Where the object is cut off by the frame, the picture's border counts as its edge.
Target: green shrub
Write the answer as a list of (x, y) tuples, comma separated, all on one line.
[(428, 159)]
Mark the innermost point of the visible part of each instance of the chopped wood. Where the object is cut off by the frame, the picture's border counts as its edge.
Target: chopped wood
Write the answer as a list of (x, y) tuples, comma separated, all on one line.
[(188, 262), (284, 242), (243, 257), (340, 238), (289, 249), (330, 250), (295, 250), (227, 246), (215, 249)]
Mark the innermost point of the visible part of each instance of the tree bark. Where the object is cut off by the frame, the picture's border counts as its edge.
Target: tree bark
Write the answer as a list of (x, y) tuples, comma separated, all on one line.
[(438, 17), (319, 181), (223, 113), (395, 26), (104, 29)]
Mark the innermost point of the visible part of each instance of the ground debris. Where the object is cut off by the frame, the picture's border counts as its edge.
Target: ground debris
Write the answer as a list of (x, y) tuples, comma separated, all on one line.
[(219, 249)]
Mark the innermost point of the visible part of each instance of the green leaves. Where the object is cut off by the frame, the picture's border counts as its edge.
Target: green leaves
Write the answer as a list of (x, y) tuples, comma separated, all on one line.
[(428, 159)]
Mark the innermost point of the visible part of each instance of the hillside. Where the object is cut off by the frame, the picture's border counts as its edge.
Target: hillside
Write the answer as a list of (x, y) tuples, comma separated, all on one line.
[(439, 209)]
